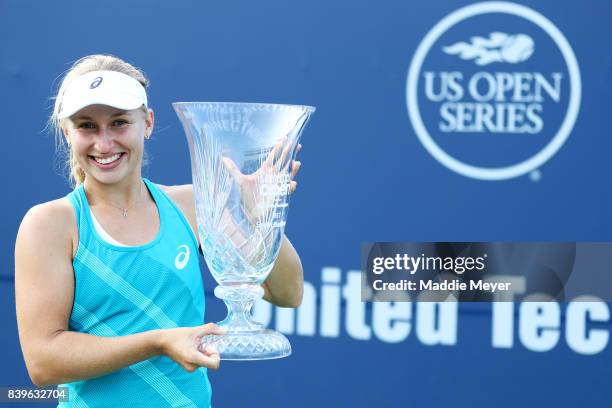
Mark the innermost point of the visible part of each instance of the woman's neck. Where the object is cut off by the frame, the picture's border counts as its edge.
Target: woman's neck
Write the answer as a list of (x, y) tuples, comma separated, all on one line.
[(123, 194)]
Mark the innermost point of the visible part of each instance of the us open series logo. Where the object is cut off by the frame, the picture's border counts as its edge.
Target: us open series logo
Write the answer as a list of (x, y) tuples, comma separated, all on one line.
[(493, 91)]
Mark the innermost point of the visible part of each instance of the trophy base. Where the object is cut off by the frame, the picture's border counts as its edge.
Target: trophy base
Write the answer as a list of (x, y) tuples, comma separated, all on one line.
[(261, 344)]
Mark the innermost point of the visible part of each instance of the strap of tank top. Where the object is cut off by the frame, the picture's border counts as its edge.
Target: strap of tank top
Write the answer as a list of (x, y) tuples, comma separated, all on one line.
[(166, 204), (79, 205)]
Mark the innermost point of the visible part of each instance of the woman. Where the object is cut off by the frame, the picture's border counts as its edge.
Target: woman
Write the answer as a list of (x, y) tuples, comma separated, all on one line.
[(108, 303)]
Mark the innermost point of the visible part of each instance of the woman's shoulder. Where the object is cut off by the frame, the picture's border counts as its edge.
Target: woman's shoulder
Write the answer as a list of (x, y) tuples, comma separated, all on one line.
[(51, 223), (180, 194), (55, 213)]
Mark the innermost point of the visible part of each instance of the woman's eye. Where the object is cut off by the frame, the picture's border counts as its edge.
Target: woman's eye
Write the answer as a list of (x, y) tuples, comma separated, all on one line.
[(87, 125), (120, 123)]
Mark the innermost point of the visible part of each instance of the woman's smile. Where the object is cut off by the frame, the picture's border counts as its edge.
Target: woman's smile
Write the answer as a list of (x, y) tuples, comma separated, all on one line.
[(107, 162)]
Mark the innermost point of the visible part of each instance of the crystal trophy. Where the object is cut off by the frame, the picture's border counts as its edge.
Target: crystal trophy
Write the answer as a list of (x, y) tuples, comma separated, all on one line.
[(241, 157)]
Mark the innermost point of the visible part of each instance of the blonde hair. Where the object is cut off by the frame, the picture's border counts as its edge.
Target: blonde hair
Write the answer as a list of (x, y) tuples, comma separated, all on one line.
[(84, 65)]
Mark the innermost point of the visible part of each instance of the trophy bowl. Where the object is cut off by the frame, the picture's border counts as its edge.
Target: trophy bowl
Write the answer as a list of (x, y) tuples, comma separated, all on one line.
[(241, 157)]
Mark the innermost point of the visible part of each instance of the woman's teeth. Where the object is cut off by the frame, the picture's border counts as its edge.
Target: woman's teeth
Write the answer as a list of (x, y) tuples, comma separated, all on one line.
[(108, 159)]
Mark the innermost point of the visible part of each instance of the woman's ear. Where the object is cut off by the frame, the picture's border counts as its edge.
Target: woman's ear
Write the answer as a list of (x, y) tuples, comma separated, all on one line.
[(65, 133), (149, 123)]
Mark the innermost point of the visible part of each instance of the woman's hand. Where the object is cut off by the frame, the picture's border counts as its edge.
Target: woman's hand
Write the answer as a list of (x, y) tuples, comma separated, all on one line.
[(182, 346), (294, 169), (263, 188)]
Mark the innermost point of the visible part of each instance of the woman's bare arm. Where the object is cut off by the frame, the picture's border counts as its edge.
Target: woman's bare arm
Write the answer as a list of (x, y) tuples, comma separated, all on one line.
[(284, 286), (44, 292)]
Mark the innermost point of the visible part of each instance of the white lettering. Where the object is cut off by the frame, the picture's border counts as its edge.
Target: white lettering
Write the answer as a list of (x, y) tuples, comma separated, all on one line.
[(391, 320), (539, 324), (330, 302), (437, 323), (579, 338)]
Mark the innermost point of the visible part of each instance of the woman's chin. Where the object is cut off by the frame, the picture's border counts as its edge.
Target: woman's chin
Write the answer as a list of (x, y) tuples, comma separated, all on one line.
[(109, 177)]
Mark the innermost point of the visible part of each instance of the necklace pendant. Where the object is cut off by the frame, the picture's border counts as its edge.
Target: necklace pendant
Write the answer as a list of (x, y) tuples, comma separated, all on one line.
[(125, 213)]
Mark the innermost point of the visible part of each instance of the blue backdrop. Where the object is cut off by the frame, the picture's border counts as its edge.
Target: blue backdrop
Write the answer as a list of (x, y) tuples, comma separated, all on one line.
[(366, 176)]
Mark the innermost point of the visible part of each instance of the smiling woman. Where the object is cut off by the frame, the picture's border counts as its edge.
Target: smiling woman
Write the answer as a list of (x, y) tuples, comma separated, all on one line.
[(109, 301), (125, 88), (104, 138)]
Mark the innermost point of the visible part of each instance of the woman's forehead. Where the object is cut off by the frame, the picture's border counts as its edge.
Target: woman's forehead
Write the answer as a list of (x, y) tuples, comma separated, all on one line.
[(100, 112)]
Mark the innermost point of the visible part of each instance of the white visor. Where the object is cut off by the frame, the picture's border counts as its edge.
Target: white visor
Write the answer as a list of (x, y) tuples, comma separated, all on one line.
[(109, 88)]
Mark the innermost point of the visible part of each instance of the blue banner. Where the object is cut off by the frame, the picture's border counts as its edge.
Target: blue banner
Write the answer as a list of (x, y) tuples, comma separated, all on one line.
[(446, 121)]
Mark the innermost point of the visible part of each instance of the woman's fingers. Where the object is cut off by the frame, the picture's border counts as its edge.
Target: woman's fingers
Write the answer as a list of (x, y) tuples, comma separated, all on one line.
[(276, 151), (211, 328), (295, 168), (202, 360), (233, 169), (280, 152), (292, 186), (285, 152), (210, 350)]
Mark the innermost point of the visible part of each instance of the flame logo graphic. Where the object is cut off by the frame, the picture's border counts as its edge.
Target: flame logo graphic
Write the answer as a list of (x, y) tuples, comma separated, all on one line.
[(499, 47)]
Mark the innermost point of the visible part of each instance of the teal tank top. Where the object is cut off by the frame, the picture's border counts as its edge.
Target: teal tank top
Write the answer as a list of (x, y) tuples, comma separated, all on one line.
[(125, 290)]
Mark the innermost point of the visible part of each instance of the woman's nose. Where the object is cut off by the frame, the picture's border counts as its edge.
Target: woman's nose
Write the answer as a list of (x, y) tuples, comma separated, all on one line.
[(104, 141)]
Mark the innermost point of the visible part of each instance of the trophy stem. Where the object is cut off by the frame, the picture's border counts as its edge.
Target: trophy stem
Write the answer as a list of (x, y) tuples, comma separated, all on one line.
[(239, 301), (244, 339)]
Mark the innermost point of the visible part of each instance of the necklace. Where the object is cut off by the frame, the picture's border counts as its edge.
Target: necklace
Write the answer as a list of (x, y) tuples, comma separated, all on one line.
[(125, 209)]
